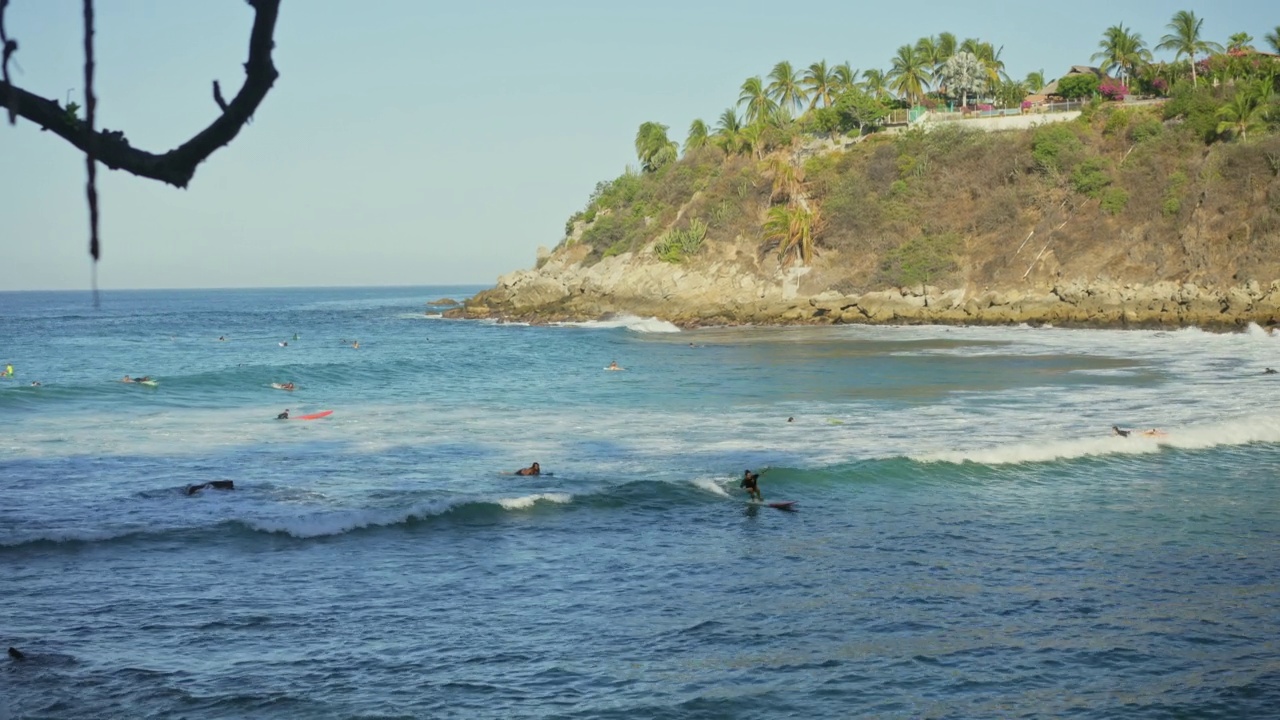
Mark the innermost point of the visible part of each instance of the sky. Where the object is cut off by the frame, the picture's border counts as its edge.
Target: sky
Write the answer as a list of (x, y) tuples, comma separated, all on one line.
[(418, 142)]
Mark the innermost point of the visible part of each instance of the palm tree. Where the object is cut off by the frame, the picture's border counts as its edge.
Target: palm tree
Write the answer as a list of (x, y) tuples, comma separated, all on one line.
[(698, 138), (753, 138), (946, 45), (1185, 39), (653, 147), (963, 73), (756, 98), (784, 87), (910, 74), (1123, 50), (1273, 39), (844, 77), (1247, 109), (820, 82), (728, 134), (795, 228), (1035, 80), (927, 48), (1240, 41), (788, 180), (875, 82)]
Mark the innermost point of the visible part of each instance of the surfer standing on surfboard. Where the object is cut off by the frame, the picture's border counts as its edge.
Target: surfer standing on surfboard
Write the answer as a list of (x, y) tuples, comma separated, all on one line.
[(750, 481)]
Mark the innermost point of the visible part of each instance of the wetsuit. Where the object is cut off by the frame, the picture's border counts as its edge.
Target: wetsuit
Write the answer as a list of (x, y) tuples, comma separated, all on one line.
[(749, 482)]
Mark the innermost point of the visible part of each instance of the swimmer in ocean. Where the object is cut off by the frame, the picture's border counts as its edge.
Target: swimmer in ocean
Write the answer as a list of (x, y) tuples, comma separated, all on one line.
[(614, 366), (533, 469), (751, 481)]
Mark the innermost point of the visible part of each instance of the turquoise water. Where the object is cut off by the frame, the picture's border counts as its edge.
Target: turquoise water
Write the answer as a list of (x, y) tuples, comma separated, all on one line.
[(970, 541)]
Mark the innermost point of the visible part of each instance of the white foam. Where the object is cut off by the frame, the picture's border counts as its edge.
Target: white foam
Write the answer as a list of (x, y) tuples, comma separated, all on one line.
[(1241, 431), (336, 523), (528, 501), (710, 486), (630, 322)]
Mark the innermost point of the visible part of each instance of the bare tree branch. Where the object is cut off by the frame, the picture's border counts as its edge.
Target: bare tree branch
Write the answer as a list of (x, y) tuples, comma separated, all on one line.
[(90, 104), (177, 166), (7, 49)]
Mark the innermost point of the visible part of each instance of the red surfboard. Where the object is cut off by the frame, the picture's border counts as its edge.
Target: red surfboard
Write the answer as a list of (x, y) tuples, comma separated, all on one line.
[(315, 416)]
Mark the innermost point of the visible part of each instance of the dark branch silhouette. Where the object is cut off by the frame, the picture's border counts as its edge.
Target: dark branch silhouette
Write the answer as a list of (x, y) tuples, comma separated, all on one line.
[(112, 149)]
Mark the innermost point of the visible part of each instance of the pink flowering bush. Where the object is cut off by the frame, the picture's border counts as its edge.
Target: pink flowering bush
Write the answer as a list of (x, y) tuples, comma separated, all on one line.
[(1112, 90)]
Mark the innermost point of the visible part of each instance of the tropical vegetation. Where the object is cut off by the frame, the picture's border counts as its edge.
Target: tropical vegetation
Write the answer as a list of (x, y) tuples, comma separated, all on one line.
[(739, 176)]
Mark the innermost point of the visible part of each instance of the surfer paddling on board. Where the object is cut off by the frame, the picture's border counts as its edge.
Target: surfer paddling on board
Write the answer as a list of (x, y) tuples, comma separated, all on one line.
[(215, 484), (613, 365), (1115, 430), (533, 469), (750, 481)]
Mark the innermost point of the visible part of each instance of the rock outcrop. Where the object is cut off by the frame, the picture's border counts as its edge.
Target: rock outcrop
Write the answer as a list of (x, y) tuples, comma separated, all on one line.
[(727, 293)]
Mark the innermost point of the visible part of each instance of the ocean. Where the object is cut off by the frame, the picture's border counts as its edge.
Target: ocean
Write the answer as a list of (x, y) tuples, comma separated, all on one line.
[(970, 538)]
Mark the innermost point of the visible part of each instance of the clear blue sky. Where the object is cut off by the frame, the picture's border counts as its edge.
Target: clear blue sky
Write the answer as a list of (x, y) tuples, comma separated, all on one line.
[(421, 142)]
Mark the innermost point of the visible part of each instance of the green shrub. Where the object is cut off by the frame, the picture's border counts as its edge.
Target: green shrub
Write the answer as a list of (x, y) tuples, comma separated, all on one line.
[(1090, 177), (1117, 121), (898, 188), (1074, 87), (1114, 200), (1172, 204), (676, 245), (1054, 147), (1146, 130), (920, 259), (614, 233), (1197, 108)]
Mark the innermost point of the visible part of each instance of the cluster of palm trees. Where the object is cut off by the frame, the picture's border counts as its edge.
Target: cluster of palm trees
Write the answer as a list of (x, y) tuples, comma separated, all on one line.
[(933, 68)]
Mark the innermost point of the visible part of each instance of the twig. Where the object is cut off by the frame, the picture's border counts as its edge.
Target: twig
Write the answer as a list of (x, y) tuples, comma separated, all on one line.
[(177, 166), (9, 48), (90, 105), (1024, 243)]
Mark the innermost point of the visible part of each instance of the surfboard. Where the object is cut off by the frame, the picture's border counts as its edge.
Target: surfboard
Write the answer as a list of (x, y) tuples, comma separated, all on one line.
[(279, 386), (783, 505), (148, 383), (315, 416)]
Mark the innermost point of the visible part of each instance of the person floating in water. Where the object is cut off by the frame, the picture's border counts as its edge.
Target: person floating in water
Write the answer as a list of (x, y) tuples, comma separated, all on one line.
[(215, 484), (284, 415), (35, 383), (1154, 432), (614, 366), (284, 343), (533, 469), (355, 345), (288, 386), (751, 481), (1269, 371), (126, 379), (8, 371), (222, 338)]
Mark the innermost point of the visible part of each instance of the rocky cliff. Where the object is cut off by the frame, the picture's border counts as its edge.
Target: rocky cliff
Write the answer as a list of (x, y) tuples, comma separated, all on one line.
[(1123, 220)]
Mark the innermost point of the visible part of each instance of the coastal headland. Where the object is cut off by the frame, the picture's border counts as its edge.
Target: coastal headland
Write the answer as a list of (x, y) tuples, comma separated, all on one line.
[(1161, 212)]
